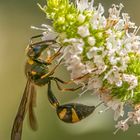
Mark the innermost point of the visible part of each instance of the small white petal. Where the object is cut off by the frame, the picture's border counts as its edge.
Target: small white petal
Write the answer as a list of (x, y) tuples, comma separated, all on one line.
[(83, 31), (91, 41), (84, 4), (81, 18)]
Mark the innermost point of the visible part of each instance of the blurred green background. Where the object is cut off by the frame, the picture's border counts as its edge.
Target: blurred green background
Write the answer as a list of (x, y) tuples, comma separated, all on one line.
[(16, 17)]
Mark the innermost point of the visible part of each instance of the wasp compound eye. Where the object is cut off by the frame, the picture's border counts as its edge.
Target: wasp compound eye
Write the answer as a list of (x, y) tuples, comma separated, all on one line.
[(72, 113), (36, 50)]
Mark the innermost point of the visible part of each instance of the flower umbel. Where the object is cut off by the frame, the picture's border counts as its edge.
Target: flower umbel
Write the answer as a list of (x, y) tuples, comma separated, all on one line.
[(107, 49)]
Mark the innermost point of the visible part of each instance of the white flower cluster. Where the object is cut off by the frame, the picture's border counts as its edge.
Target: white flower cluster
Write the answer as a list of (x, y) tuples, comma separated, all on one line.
[(118, 44), (98, 55), (107, 61)]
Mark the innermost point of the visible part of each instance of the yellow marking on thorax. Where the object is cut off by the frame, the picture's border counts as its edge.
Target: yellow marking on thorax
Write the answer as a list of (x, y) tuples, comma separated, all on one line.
[(33, 72), (62, 113), (30, 61), (75, 117)]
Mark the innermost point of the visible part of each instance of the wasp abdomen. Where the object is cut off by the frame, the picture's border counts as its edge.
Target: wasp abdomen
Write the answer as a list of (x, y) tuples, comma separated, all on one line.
[(72, 113)]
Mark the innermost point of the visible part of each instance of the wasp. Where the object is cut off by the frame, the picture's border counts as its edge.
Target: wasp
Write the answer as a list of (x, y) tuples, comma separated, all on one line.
[(38, 74)]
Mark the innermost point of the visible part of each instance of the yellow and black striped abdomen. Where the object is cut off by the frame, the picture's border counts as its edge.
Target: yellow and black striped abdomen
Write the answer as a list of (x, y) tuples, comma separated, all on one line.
[(72, 113)]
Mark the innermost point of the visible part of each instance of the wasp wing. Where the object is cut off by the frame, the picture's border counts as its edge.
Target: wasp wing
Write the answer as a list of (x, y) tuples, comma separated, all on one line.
[(18, 122), (32, 104)]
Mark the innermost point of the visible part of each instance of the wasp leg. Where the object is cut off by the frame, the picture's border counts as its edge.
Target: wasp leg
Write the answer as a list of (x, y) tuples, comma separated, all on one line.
[(47, 42), (40, 42), (51, 58), (45, 79), (66, 89), (87, 75), (33, 37), (73, 80), (51, 72), (61, 81)]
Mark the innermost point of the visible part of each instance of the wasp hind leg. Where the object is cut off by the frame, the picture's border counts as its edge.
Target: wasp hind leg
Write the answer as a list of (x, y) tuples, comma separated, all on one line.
[(63, 82)]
